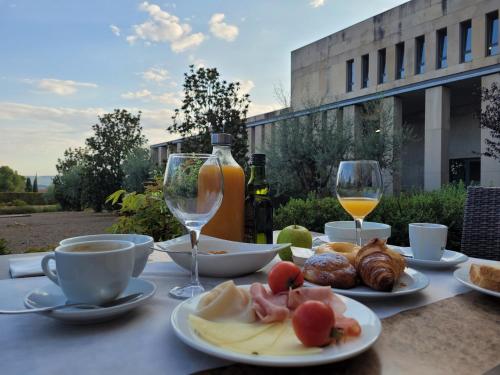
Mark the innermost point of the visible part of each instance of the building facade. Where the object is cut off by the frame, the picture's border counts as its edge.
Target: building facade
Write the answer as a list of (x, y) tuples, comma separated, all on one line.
[(426, 59)]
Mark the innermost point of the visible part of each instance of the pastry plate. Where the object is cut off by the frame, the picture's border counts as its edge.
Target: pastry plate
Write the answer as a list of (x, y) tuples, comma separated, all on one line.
[(410, 282), (52, 295), (449, 259), (462, 275), (370, 325)]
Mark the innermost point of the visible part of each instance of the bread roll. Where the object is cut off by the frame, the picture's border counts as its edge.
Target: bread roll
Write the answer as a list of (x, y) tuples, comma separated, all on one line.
[(347, 249), (330, 269), (485, 276)]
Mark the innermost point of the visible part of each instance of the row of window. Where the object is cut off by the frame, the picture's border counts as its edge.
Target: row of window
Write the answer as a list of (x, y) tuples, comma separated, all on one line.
[(492, 48)]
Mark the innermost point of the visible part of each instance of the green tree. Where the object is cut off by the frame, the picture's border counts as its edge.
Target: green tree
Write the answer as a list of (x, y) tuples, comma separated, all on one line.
[(489, 118), (68, 183), (114, 136), (137, 169), (35, 184), (28, 187), (210, 105), (10, 180)]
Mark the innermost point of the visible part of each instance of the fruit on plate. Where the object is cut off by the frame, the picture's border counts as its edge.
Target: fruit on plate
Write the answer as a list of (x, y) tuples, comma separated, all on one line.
[(284, 276), (313, 323), (296, 235), (286, 254)]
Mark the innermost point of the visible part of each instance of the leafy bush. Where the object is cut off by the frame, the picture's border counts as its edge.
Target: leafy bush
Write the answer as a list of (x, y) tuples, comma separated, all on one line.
[(145, 213), (29, 198), (137, 169), (14, 210), (19, 203), (3, 247), (443, 206)]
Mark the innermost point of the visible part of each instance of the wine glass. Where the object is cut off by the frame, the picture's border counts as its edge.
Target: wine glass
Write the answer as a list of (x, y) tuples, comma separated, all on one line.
[(359, 189), (193, 187)]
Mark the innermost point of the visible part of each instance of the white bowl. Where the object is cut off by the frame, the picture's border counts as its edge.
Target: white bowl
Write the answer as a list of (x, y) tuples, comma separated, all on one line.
[(240, 259), (143, 246), (345, 231)]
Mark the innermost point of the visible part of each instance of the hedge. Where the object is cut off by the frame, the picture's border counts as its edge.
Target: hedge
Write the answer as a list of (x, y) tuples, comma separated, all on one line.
[(29, 198), (443, 206), (15, 210)]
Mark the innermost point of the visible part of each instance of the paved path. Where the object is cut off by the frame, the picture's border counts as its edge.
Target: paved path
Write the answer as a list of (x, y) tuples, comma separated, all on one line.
[(47, 229)]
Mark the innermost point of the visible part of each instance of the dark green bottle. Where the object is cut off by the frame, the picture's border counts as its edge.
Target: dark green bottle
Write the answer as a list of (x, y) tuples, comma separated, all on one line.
[(258, 204)]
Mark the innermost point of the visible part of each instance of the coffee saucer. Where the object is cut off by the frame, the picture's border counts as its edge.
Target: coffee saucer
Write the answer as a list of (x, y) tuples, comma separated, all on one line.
[(52, 295), (449, 259)]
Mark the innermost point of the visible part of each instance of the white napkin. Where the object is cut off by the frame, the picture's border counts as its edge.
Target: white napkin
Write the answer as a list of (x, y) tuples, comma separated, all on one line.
[(27, 266)]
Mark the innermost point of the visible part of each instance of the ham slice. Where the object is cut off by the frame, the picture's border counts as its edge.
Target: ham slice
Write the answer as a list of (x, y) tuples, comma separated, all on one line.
[(269, 307), (321, 293)]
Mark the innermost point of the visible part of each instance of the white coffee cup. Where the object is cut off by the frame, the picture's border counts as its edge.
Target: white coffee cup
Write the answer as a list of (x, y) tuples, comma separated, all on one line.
[(427, 240), (92, 272)]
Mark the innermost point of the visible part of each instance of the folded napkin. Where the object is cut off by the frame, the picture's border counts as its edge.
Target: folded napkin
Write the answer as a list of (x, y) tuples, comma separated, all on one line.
[(27, 266)]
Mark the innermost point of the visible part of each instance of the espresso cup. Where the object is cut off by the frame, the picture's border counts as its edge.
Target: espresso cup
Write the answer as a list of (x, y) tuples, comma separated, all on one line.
[(427, 240), (93, 272)]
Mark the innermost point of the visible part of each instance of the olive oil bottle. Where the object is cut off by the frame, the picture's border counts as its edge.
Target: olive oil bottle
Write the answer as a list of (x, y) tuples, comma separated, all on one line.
[(258, 204)]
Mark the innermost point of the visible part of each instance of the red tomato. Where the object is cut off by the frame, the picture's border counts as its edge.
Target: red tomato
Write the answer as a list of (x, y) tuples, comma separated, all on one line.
[(313, 322), (283, 276)]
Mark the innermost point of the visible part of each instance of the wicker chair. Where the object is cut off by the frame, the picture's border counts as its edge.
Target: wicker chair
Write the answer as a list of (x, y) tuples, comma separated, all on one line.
[(481, 226)]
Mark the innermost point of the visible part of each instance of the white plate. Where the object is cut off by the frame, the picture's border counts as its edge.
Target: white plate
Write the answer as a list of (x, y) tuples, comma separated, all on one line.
[(370, 325), (241, 258), (450, 258), (51, 295), (410, 282), (462, 275)]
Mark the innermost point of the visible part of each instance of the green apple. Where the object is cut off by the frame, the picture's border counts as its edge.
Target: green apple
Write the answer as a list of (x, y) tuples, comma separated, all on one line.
[(296, 235)]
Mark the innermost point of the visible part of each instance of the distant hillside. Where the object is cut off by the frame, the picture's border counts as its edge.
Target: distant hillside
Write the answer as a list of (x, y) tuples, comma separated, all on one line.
[(43, 181)]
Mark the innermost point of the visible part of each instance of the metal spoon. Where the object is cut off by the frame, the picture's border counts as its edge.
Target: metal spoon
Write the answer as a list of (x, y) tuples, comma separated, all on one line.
[(84, 306)]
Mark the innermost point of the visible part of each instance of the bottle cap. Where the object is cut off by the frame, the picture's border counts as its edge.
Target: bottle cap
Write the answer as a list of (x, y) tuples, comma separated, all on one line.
[(222, 139), (258, 159)]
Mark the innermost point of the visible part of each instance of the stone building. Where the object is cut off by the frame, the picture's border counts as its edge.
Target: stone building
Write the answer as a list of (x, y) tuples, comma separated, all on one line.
[(427, 59)]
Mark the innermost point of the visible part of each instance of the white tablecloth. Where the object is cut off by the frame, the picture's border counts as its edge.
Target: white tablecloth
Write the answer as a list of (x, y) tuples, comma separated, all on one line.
[(141, 342)]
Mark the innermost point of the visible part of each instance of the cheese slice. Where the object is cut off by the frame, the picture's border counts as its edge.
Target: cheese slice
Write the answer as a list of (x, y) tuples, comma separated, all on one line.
[(277, 339)]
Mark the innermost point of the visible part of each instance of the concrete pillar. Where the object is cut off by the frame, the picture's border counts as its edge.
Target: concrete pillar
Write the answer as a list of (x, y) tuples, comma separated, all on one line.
[(409, 57), (179, 147), (259, 138), (478, 37), (373, 69), (160, 155), (154, 154), (430, 51), (437, 130), (390, 62), (490, 168), (352, 116), (392, 108), (453, 44), (251, 140)]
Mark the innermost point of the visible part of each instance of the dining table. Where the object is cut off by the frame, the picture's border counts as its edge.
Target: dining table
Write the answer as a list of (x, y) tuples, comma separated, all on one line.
[(446, 328)]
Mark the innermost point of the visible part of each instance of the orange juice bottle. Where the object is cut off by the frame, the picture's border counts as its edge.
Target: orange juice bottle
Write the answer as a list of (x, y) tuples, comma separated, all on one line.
[(228, 221)]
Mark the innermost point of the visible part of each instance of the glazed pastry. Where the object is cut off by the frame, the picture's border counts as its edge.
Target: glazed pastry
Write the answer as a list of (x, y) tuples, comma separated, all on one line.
[(347, 249), (330, 269), (378, 266)]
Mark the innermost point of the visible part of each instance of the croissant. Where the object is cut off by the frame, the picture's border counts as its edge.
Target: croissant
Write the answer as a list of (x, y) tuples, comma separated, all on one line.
[(378, 266)]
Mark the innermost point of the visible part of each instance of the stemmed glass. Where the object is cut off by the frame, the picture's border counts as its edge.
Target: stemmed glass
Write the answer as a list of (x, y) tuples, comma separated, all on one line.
[(359, 189), (193, 187)]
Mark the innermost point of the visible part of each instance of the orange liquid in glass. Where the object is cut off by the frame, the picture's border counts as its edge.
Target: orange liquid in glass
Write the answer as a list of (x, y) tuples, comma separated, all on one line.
[(358, 208), (228, 221)]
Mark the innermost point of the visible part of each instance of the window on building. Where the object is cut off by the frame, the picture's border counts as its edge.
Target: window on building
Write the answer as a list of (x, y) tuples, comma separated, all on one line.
[(492, 34), (442, 49), (466, 170), (350, 75), (400, 60), (420, 55), (466, 41), (365, 62), (382, 67)]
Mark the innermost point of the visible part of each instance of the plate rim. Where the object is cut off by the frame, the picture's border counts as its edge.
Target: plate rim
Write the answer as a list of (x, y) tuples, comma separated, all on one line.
[(374, 294), (271, 361), (434, 263), (470, 284), (76, 315)]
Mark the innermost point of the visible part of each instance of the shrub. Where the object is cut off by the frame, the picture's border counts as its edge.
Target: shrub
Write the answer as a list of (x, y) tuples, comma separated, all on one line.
[(16, 210), (3, 247), (145, 214), (29, 198), (19, 203), (443, 206)]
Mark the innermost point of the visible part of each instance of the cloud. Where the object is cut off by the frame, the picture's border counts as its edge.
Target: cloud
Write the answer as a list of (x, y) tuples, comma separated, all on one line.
[(58, 86), (24, 125), (163, 27), (316, 3), (221, 29), (115, 30), (246, 85), (155, 75), (258, 109), (198, 63), (142, 94), (168, 98)]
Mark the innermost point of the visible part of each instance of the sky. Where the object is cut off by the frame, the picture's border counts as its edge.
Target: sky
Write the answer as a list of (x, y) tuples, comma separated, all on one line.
[(65, 62)]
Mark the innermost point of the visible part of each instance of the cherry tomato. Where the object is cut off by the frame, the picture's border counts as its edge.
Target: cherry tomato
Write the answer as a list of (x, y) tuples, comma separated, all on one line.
[(313, 322), (283, 276)]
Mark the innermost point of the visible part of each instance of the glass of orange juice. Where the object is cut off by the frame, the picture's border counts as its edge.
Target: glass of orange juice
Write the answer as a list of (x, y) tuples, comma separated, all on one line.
[(359, 189)]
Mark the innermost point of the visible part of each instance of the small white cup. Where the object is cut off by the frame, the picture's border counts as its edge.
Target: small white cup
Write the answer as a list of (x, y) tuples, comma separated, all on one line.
[(427, 240), (93, 272)]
